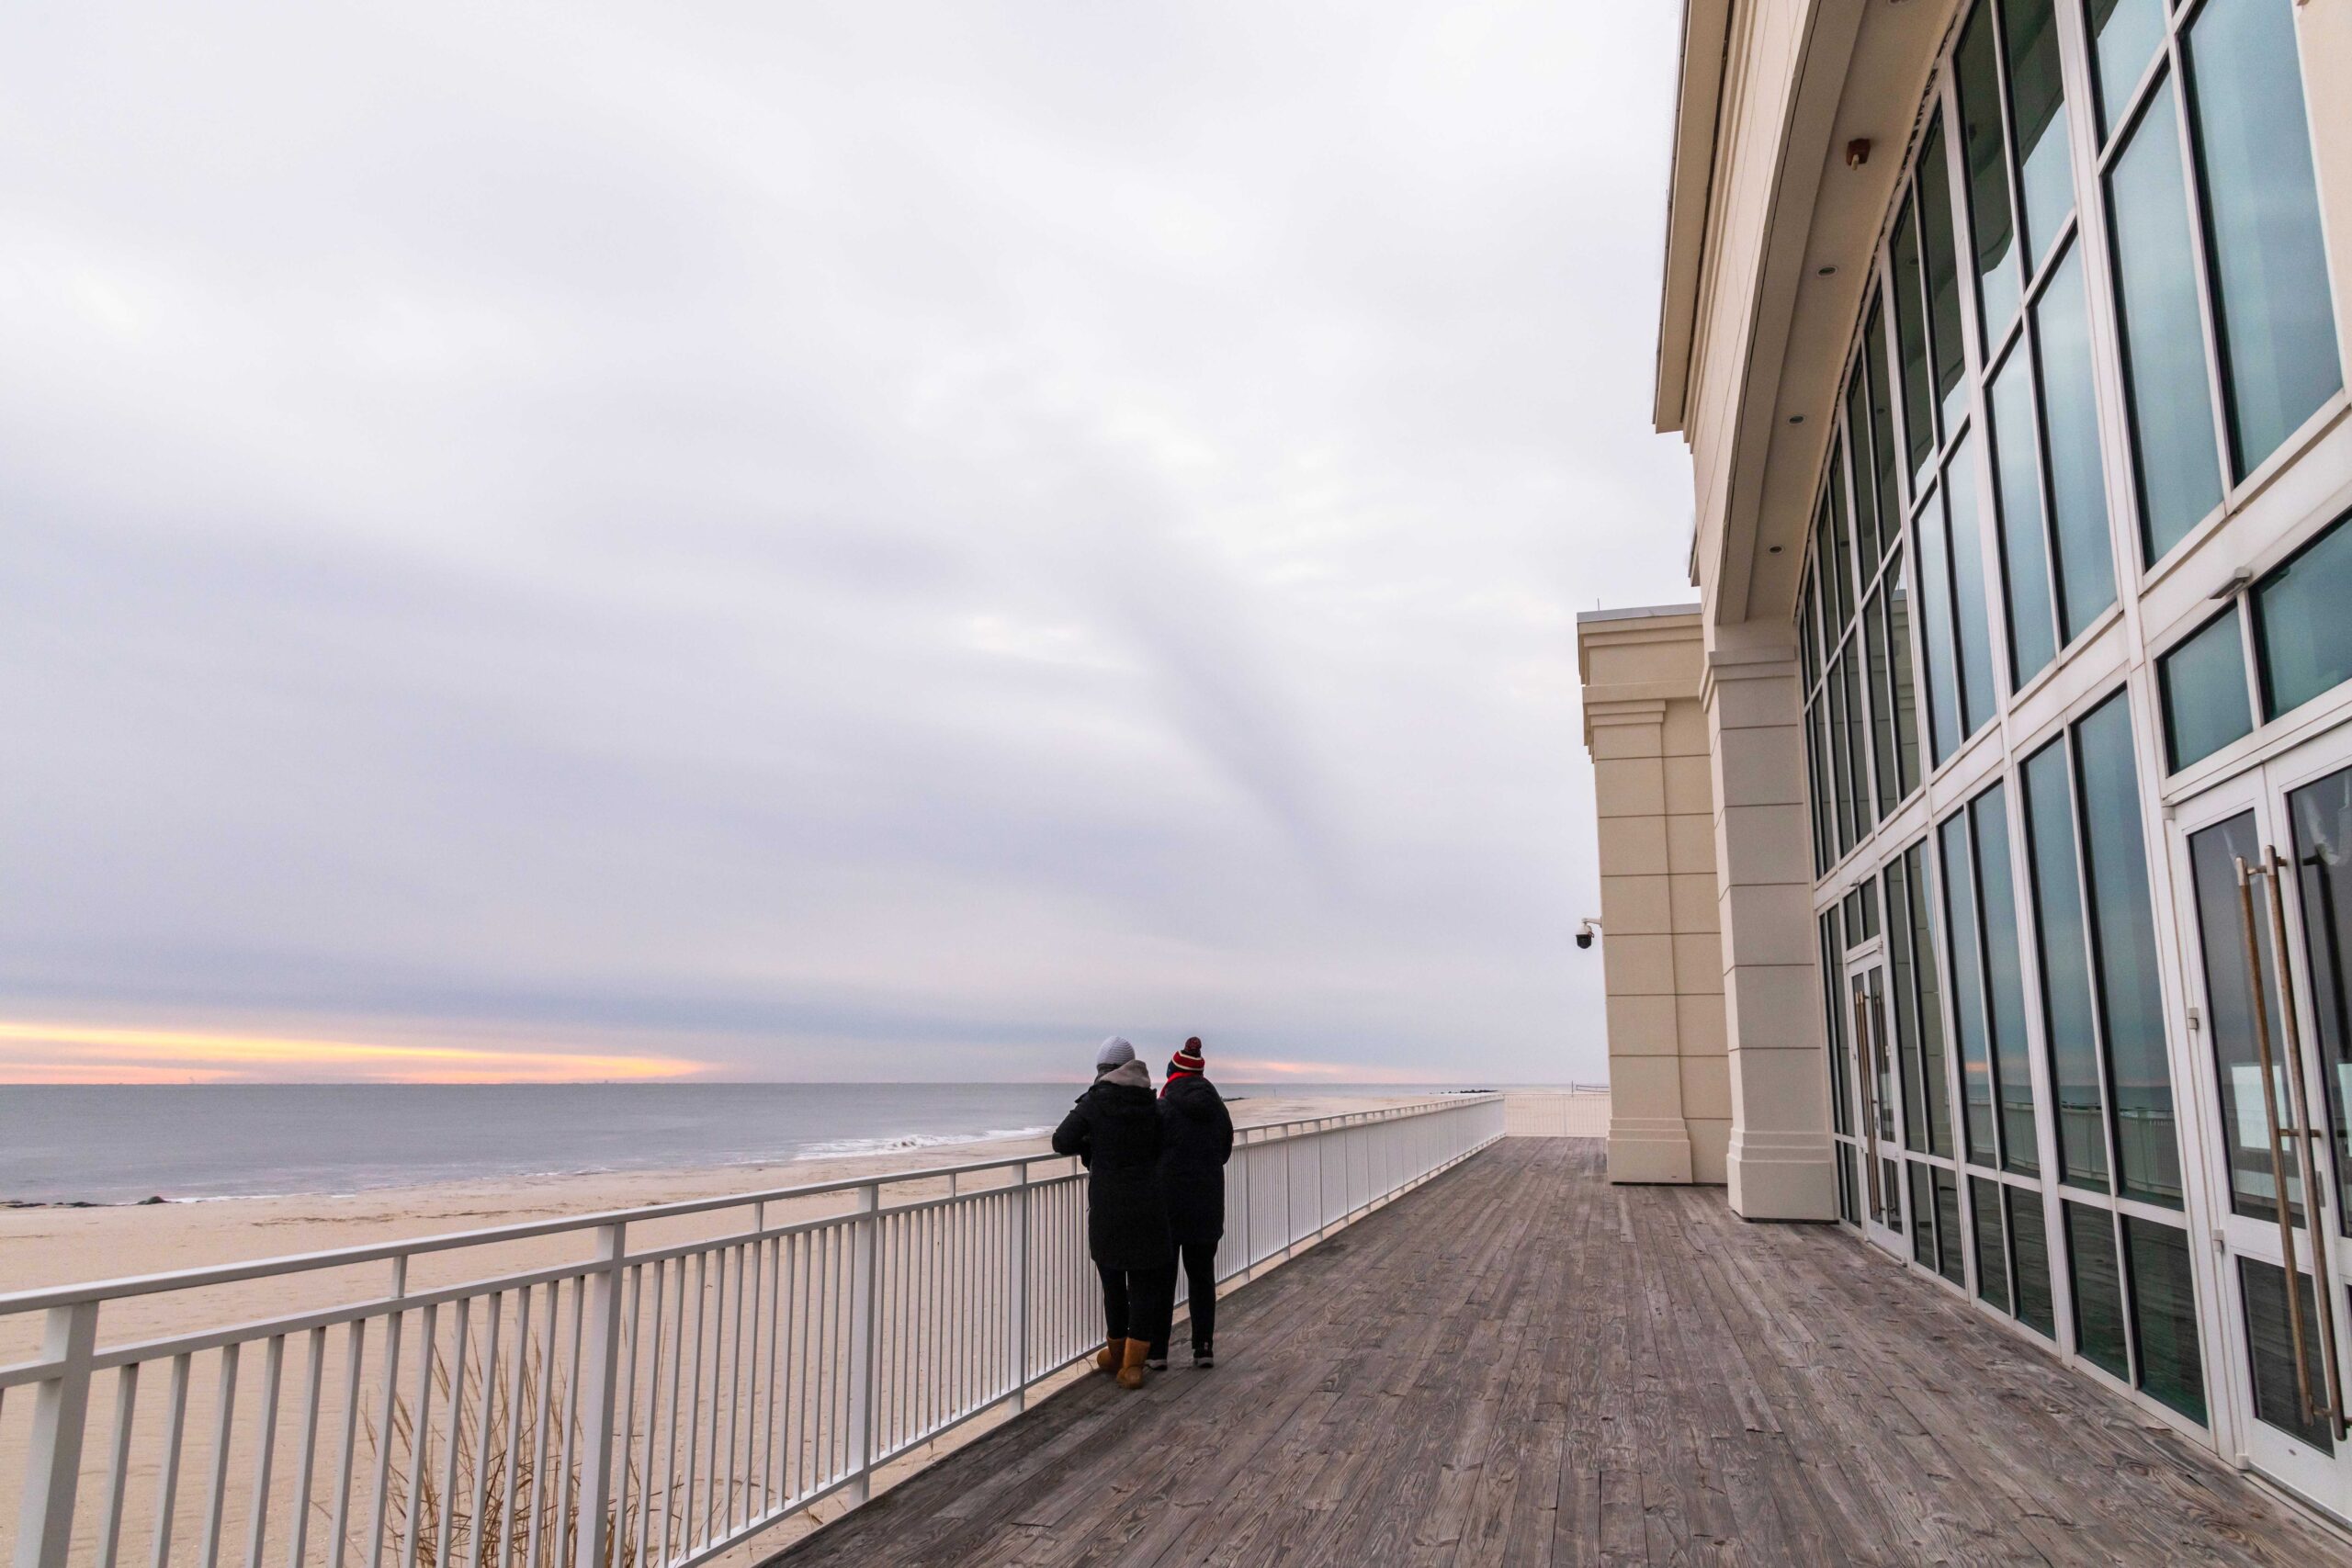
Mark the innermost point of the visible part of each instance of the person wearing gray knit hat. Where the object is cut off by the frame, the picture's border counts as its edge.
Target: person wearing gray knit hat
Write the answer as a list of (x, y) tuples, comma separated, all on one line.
[(1114, 1129)]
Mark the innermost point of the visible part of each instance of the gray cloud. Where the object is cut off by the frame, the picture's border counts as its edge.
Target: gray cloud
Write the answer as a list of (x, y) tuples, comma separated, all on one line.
[(843, 540)]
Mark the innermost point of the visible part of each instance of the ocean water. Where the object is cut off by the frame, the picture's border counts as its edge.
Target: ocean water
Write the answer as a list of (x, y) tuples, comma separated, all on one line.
[(116, 1144)]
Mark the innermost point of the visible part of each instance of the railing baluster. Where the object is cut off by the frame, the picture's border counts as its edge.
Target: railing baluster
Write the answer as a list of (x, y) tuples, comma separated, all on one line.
[(542, 1397), (420, 1436), (454, 1423), (126, 1401), (313, 1378), (167, 1483), (273, 1366), (384, 1426), (355, 1351), (485, 1413), (652, 1416), (224, 1431)]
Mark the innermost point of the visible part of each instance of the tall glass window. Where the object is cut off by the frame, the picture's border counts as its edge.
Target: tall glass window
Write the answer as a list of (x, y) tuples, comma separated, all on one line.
[(1918, 1003), (2038, 103), (2069, 1022), (2025, 555), (2271, 305), (2004, 981), (1985, 154), (2164, 339), (2104, 1014), (2115, 868), (1938, 256), (1911, 343), (1972, 618), (1975, 1035), (2125, 36), (2061, 336)]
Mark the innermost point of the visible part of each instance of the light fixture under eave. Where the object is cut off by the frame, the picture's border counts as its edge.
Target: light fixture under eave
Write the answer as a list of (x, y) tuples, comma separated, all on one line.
[(1858, 151)]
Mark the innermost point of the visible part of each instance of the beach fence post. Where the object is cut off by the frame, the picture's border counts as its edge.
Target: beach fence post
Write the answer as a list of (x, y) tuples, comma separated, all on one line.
[(60, 1407), (1018, 1295), (863, 1344), (592, 1524)]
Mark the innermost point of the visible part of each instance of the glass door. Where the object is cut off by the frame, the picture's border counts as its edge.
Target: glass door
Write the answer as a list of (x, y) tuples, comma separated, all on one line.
[(1882, 1102), (2266, 879)]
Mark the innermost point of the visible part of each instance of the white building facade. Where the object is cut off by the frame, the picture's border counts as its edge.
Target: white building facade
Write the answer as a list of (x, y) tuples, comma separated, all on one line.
[(2009, 338)]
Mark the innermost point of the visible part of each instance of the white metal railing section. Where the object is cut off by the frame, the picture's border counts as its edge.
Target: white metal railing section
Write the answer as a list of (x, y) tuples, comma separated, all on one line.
[(644, 1407)]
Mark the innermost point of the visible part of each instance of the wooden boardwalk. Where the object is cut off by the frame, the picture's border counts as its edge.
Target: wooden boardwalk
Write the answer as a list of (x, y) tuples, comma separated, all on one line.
[(1521, 1364)]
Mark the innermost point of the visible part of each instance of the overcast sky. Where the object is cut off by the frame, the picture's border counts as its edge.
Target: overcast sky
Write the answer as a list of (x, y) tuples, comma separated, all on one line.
[(870, 540)]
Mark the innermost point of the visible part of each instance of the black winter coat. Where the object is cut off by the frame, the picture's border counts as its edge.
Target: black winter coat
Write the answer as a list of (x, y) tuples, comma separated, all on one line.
[(1115, 1128), (1196, 1139)]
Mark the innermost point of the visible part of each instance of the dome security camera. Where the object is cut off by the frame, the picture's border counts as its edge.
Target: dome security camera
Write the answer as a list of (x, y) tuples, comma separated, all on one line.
[(1585, 933)]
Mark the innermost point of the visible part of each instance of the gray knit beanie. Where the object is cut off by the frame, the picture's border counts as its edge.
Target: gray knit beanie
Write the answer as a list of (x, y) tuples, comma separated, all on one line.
[(1115, 1053)]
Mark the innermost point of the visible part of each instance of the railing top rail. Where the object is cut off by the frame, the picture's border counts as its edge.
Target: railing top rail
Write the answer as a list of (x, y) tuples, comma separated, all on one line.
[(43, 1298)]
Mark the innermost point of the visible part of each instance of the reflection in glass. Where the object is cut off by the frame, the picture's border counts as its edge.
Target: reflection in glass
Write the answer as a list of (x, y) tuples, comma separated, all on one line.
[(1950, 1262), (1918, 1004), (2004, 983), (2302, 634), (1882, 702), (2062, 946), (1971, 614), (1986, 158), (1968, 993), (1923, 1211), (2233, 1024), (2319, 816), (1869, 545), (2271, 307), (2155, 277), (1816, 753), (1911, 343), (2270, 1347), (1906, 701), (2070, 435), (2098, 1289), (1935, 605), (2202, 679), (1883, 464), (1841, 779), (1943, 265), (1837, 564), (2163, 1316), (2025, 551), (1992, 1254), (2029, 1258), (2115, 868), (2125, 35), (1857, 743), (2038, 97)]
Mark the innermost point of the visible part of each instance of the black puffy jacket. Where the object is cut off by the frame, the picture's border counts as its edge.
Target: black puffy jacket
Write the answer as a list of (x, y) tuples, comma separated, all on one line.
[(1115, 1128), (1196, 1139)]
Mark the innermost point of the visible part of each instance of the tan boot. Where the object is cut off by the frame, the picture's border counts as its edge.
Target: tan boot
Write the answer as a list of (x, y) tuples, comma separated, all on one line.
[(1107, 1358), (1131, 1372)]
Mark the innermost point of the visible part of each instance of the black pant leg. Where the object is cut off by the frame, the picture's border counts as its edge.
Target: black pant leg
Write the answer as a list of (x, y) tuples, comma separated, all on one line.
[(1148, 1290), (1200, 1278), (1116, 1304)]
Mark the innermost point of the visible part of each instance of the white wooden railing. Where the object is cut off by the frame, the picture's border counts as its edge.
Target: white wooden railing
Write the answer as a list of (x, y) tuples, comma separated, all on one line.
[(639, 1406)]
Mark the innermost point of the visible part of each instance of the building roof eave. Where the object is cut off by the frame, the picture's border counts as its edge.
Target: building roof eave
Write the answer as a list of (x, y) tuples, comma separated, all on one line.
[(1706, 32)]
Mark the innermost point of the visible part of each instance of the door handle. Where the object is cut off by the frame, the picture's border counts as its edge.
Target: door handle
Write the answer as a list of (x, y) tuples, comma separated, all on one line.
[(2260, 998), (2306, 1129)]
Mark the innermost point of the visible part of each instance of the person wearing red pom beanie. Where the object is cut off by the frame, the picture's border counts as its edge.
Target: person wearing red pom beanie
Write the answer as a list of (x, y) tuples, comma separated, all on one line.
[(1196, 1139)]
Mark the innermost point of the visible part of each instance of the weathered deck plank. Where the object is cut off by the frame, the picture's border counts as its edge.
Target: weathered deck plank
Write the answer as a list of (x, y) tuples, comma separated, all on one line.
[(1520, 1364)]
